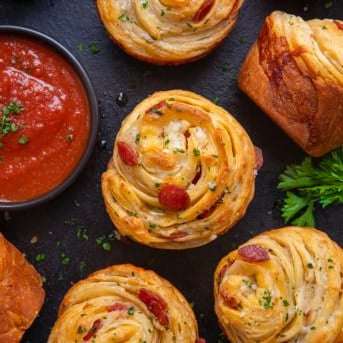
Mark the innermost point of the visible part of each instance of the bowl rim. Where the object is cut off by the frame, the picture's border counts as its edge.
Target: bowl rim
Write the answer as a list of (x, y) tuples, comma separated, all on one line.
[(93, 112)]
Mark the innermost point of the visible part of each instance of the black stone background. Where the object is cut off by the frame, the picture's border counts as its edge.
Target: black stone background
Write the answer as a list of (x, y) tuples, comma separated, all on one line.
[(76, 21)]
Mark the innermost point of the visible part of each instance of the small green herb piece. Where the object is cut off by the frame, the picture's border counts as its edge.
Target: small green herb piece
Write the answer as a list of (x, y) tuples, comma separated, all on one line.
[(69, 137), (155, 110), (40, 257), (285, 303), (157, 185), (138, 138), (43, 278), (162, 13), (65, 259), (306, 185), (189, 25), (81, 47), (131, 311), (23, 140), (196, 152), (81, 329), (145, 4), (124, 17), (179, 150), (215, 100), (152, 225), (310, 266), (328, 4), (94, 48), (106, 246), (267, 300)]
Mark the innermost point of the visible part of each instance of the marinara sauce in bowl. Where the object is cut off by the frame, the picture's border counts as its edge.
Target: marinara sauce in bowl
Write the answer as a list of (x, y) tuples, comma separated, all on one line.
[(48, 118)]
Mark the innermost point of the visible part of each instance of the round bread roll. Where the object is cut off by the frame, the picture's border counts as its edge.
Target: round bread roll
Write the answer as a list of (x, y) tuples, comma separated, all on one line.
[(294, 72), (125, 303), (168, 32), (181, 174), (283, 285), (21, 293)]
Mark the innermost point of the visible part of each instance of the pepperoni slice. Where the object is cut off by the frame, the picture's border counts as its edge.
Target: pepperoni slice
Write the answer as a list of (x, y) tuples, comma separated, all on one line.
[(253, 253), (117, 307), (200, 340), (231, 302), (156, 305), (127, 154), (93, 330), (196, 177), (258, 158), (203, 10), (338, 24), (222, 273), (173, 198)]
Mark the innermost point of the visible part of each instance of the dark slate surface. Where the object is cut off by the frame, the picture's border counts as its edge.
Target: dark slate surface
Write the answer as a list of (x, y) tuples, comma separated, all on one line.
[(76, 21)]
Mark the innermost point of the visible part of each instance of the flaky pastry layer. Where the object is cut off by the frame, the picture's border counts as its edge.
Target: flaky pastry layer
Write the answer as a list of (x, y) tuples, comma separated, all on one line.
[(294, 72), (108, 306), (168, 32), (21, 293), (183, 139), (295, 296)]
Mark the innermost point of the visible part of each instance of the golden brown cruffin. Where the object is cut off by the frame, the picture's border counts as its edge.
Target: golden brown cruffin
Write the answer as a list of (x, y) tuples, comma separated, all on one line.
[(168, 32), (181, 174), (21, 293), (284, 285), (124, 303), (294, 72)]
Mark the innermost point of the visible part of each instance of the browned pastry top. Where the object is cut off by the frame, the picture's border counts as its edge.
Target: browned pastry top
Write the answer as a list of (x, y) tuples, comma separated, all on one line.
[(21, 293), (294, 72)]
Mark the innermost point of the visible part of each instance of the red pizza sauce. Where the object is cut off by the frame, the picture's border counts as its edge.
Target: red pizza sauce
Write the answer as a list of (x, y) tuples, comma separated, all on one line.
[(44, 119)]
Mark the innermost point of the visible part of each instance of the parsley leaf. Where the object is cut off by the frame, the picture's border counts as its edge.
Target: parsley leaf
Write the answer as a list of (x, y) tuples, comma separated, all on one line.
[(306, 185)]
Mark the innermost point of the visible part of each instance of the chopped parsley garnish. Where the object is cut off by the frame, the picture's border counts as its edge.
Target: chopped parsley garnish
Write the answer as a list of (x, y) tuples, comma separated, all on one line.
[(155, 110), (23, 140), (40, 257), (152, 225), (179, 150), (94, 48), (215, 100), (138, 138), (196, 152), (285, 303), (248, 283), (131, 311), (310, 266), (124, 17), (106, 246), (145, 4), (81, 329), (64, 258), (81, 47), (266, 301)]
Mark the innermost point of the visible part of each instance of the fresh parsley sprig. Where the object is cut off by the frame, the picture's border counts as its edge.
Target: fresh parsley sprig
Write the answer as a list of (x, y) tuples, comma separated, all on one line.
[(306, 185)]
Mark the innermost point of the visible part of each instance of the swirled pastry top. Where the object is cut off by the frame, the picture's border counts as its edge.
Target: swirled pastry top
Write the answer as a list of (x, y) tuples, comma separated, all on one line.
[(168, 31), (124, 303), (295, 73), (182, 172), (21, 293), (284, 285)]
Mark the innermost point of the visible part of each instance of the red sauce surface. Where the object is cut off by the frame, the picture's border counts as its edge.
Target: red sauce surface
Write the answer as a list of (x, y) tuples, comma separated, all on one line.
[(55, 119)]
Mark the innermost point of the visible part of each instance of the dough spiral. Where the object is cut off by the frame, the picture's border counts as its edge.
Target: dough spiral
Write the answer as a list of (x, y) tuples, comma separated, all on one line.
[(124, 303), (294, 72), (179, 138), (21, 293), (168, 31), (284, 285)]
